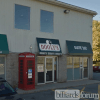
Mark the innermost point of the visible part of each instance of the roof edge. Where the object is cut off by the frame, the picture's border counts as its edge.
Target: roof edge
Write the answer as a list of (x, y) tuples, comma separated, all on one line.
[(69, 6)]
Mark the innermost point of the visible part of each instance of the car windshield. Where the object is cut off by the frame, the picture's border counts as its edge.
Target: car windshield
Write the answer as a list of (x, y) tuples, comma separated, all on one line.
[(5, 88)]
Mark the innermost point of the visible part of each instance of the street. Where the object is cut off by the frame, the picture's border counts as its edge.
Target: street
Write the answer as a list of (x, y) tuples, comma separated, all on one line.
[(96, 75), (50, 94)]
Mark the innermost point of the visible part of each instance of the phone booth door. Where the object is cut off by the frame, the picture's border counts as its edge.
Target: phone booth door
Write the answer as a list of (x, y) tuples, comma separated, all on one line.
[(26, 71), (30, 73)]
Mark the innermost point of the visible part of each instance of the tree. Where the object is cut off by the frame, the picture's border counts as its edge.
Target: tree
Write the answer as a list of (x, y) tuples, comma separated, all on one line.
[(96, 40)]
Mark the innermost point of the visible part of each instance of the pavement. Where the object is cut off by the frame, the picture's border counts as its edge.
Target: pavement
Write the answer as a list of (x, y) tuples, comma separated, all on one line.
[(50, 94), (96, 76), (49, 86)]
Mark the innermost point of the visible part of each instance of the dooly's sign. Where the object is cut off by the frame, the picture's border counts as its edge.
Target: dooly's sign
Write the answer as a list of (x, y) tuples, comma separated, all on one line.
[(49, 46)]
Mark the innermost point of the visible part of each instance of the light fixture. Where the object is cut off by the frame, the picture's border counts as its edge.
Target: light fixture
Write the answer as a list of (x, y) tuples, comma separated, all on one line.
[(66, 11), (31, 48)]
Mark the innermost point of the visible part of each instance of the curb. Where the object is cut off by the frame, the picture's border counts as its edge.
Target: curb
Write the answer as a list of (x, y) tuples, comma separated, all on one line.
[(28, 92)]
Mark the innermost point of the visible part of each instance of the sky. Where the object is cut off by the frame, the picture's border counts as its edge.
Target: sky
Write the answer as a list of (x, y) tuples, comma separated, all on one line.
[(88, 4)]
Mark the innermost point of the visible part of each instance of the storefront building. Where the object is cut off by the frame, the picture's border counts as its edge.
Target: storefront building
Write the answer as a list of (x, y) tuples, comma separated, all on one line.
[(78, 57), (60, 40)]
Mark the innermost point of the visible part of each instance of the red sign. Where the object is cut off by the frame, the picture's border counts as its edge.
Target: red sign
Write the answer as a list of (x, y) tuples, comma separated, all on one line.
[(49, 47)]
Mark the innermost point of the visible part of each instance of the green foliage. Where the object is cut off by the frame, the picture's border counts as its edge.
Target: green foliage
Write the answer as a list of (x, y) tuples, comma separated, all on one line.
[(96, 40)]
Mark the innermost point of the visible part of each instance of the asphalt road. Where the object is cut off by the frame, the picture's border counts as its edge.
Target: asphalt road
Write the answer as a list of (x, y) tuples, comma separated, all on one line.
[(96, 76), (50, 94)]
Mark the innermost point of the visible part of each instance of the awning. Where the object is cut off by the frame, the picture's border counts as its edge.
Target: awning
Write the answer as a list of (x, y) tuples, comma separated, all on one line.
[(3, 44), (78, 48), (49, 46)]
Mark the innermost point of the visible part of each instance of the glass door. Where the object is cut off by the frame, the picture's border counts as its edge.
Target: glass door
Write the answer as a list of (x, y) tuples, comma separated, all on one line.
[(81, 67), (40, 69), (55, 68), (49, 69), (2, 67), (85, 67)]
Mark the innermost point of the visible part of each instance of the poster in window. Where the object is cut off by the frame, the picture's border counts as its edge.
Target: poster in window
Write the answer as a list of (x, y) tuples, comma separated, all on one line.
[(40, 68), (29, 73)]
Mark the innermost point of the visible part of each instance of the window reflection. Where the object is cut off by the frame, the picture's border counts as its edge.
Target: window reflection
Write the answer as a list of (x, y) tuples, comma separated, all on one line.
[(76, 62), (22, 17), (46, 21), (77, 72), (69, 62), (40, 64), (49, 64), (85, 62)]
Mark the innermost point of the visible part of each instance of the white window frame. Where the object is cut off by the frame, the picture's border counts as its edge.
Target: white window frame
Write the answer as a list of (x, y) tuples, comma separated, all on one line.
[(82, 64), (53, 68)]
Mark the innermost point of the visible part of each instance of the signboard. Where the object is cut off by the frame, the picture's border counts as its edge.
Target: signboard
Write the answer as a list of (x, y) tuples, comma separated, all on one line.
[(49, 46), (29, 73), (79, 48), (40, 68)]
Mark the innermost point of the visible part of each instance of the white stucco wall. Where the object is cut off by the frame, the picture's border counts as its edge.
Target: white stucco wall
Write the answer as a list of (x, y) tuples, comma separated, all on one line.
[(75, 26)]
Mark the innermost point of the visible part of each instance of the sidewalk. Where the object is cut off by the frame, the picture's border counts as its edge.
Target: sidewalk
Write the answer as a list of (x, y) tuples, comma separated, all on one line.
[(50, 86)]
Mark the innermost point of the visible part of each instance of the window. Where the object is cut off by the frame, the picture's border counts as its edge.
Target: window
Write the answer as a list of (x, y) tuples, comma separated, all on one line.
[(69, 62), (76, 62), (40, 69), (22, 17), (46, 23)]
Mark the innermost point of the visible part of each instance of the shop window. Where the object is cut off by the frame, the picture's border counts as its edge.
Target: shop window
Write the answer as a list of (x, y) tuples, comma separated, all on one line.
[(49, 64), (69, 62), (76, 68), (40, 69), (22, 17), (2, 67), (76, 62), (46, 21), (69, 68)]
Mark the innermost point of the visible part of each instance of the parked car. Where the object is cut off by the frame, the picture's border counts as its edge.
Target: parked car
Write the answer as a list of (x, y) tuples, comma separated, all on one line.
[(7, 92), (96, 68)]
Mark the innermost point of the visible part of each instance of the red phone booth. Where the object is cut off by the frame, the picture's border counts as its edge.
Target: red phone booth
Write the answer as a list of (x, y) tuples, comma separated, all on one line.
[(26, 71)]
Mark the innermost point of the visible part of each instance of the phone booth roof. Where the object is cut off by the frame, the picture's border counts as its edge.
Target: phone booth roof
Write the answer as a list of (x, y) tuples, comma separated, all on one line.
[(27, 54)]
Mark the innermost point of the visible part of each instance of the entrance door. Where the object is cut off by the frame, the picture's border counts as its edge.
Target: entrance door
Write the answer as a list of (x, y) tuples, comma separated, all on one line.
[(49, 69), (2, 67), (83, 67)]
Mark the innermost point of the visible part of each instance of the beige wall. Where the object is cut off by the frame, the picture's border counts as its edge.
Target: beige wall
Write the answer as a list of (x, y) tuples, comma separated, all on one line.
[(74, 26)]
